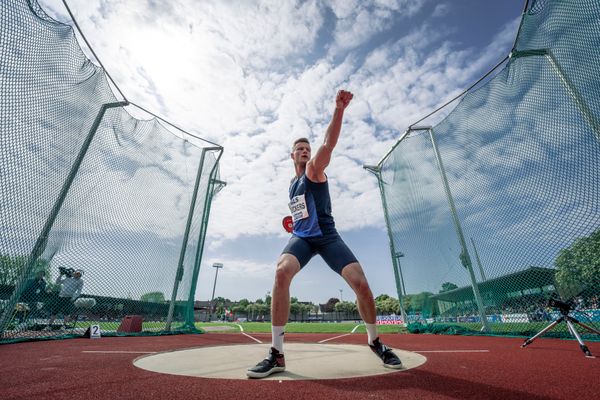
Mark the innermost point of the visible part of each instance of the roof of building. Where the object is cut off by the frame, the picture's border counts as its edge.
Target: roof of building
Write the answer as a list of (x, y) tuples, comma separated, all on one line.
[(530, 278)]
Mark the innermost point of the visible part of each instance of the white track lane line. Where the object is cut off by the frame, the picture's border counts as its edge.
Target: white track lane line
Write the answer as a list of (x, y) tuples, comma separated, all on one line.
[(118, 352), (336, 337), (245, 334), (251, 337), (451, 351)]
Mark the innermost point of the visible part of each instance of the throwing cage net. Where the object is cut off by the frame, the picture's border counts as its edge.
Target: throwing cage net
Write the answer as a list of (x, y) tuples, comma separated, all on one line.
[(494, 211), (102, 216)]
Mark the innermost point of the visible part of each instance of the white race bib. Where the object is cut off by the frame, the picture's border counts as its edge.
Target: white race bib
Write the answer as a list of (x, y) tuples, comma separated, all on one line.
[(298, 208)]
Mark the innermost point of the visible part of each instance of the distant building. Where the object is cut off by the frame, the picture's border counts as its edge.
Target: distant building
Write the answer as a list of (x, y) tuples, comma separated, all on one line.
[(534, 284)]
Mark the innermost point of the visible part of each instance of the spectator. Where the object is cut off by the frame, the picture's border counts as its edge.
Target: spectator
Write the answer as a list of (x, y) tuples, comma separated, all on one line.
[(71, 285)]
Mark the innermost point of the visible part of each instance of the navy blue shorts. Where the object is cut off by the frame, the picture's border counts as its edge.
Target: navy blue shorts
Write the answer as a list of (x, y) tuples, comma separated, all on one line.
[(331, 247)]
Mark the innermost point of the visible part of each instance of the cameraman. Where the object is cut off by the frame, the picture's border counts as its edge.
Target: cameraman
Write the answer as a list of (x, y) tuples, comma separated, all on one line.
[(71, 286)]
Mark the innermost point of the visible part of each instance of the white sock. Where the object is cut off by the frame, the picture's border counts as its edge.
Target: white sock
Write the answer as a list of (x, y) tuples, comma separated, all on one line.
[(277, 333), (372, 332)]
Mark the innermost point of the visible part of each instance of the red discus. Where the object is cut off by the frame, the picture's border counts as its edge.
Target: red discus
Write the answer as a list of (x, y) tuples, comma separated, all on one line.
[(288, 224)]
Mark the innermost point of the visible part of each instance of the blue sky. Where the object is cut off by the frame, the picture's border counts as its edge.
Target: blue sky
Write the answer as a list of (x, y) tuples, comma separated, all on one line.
[(253, 76)]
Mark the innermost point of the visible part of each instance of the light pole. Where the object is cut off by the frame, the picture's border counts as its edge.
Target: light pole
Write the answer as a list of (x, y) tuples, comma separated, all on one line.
[(398, 255), (341, 298), (217, 266)]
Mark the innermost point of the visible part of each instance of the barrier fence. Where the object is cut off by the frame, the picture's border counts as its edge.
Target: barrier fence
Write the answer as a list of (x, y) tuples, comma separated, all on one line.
[(102, 215), (494, 210)]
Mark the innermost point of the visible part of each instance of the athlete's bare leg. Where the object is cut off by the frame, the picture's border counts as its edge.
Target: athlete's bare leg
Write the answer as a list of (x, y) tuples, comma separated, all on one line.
[(287, 267), (354, 275)]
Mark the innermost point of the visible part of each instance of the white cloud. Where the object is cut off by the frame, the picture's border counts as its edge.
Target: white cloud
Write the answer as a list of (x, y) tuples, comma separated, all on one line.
[(254, 76), (357, 21), (440, 10), (218, 68)]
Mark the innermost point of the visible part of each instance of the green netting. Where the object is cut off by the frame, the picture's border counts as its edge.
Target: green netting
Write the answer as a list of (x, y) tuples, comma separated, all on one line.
[(521, 158), (84, 185)]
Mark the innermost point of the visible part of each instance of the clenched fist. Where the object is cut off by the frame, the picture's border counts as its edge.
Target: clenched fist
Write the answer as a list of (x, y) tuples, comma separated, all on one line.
[(343, 99)]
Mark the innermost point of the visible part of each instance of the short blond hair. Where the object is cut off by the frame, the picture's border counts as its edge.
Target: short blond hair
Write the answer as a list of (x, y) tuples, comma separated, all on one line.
[(300, 140)]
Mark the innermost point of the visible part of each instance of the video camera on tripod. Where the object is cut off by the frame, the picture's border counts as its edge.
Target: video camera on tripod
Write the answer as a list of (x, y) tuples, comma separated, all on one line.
[(563, 306), (66, 271)]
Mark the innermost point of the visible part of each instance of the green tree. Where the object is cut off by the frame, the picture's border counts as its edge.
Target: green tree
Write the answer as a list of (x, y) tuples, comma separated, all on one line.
[(11, 268), (330, 305), (345, 306), (256, 310), (295, 309), (447, 286), (238, 309), (421, 302), (578, 266), (308, 308), (388, 305), (381, 297), (408, 302), (220, 301), (153, 297), (262, 310), (243, 303), (220, 311), (251, 311)]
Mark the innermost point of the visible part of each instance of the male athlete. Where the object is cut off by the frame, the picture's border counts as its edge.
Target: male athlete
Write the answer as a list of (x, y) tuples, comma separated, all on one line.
[(314, 233)]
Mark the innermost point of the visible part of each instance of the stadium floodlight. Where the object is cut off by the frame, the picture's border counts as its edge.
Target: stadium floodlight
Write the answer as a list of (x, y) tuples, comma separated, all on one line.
[(216, 266)]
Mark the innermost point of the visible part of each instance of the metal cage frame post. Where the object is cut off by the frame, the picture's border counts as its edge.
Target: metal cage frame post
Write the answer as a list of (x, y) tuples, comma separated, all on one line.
[(481, 271), (465, 257), (188, 225), (213, 189), (376, 170), (580, 103)]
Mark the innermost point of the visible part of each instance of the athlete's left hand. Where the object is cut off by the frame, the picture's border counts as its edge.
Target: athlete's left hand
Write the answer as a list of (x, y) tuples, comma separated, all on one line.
[(343, 99)]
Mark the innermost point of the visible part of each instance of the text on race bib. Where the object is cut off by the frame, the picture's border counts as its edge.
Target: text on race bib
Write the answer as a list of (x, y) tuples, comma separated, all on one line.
[(298, 208)]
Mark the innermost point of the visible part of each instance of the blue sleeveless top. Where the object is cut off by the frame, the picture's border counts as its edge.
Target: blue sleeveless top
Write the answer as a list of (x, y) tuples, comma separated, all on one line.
[(310, 205)]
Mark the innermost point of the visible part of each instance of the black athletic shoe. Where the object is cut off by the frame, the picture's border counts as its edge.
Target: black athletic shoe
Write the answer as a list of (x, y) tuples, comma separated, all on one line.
[(390, 360), (275, 362)]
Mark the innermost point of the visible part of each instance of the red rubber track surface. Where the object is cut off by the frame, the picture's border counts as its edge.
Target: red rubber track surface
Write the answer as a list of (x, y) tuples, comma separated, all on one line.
[(546, 369)]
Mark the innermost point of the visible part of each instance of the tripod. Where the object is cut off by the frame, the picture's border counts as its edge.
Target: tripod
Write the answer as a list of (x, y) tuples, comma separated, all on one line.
[(565, 309)]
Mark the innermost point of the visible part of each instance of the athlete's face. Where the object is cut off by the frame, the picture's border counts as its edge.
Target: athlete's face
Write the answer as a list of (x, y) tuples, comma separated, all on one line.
[(301, 153)]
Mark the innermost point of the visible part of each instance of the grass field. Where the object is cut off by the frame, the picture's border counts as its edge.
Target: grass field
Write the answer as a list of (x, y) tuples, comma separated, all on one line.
[(112, 326), (301, 327), (255, 327), (504, 329)]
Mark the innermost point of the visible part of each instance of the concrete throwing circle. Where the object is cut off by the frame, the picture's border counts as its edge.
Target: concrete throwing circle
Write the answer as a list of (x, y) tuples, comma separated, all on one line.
[(303, 361)]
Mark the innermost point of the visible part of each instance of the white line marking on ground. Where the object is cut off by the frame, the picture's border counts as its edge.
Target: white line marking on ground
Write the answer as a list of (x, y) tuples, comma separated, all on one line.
[(245, 334), (118, 352), (251, 337), (451, 351), (335, 337)]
